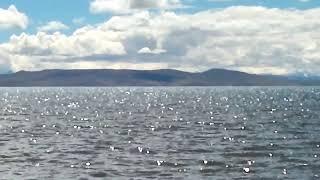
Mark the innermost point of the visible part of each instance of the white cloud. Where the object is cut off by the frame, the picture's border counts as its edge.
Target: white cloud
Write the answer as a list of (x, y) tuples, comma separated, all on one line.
[(12, 18), (53, 26), (147, 50), (129, 6), (251, 39), (84, 42), (5, 65)]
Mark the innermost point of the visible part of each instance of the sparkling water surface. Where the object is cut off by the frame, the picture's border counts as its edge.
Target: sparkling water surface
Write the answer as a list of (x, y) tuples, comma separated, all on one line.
[(160, 133)]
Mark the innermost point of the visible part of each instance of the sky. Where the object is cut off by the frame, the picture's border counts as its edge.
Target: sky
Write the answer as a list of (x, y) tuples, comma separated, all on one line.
[(256, 36)]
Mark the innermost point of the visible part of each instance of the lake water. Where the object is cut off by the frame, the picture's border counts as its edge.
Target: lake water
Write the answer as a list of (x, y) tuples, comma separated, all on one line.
[(160, 133)]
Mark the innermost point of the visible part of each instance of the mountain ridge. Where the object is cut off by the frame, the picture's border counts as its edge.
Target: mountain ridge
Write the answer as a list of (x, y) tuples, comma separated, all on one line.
[(160, 77)]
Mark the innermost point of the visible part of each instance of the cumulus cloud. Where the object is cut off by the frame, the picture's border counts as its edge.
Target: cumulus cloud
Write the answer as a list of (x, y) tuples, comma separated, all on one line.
[(129, 6), (12, 18), (147, 50), (84, 42), (5, 65), (251, 39), (53, 26)]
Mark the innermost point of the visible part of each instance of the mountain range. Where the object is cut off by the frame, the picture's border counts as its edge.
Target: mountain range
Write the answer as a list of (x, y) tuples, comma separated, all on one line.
[(163, 77)]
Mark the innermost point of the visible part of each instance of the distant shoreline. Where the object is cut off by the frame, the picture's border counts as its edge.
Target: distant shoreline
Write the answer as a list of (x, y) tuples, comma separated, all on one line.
[(146, 78)]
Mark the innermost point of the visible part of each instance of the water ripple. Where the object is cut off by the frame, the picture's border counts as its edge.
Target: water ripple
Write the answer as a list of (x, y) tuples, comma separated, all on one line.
[(160, 133)]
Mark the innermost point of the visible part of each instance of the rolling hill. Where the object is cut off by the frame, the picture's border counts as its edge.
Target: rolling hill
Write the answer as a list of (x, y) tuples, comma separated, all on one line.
[(163, 77)]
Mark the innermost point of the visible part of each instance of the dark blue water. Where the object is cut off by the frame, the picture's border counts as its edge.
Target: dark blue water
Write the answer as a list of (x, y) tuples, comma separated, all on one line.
[(160, 133)]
